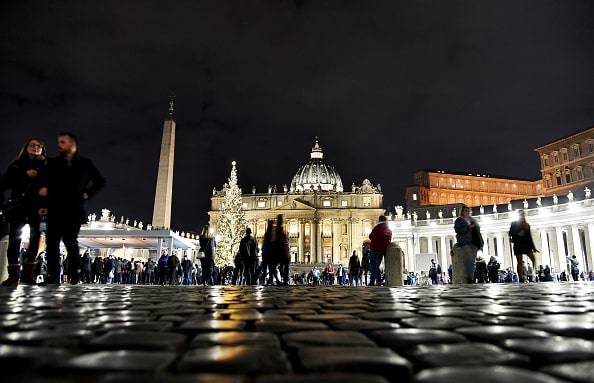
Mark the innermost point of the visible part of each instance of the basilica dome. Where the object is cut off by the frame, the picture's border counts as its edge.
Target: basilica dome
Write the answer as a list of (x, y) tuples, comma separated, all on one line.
[(316, 175)]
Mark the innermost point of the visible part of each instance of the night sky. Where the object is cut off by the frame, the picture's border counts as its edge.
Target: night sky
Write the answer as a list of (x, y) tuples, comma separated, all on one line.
[(390, 87)]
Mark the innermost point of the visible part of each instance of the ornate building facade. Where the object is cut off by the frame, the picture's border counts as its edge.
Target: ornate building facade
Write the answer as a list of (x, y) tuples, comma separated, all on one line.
[(324, 222), (562, 226), (567, 163), (438, 187)]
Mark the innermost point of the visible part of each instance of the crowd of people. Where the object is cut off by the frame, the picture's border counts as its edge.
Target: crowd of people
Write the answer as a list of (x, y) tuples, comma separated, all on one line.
[(49, 195)]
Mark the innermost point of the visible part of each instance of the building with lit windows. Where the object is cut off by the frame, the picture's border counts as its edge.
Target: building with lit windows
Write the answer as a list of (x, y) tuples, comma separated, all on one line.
[(324, 222), (568, 163), (440, 187)]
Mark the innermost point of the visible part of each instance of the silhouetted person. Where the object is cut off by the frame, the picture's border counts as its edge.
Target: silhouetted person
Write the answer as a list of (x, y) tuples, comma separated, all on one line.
[(481, 270), (208, 251), (187, 270), (469, 238), (493, 270), (521, 237), (86, 267), (163, 263), (248, 247), (71, 180), (365, 262), (24, 178), (267, 267), (354, 269), (280, 244)]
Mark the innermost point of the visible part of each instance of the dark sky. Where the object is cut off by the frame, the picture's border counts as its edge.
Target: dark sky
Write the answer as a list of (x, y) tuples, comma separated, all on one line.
[(389, 86)]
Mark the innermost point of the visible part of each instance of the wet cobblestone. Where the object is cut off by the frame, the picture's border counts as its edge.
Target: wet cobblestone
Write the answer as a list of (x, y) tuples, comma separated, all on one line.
[(538, 332)]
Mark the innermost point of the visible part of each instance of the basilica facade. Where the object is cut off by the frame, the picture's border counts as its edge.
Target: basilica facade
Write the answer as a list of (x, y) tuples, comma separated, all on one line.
[(324, 222)]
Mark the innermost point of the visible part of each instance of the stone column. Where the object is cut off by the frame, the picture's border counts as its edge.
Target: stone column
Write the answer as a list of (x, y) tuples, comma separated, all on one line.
[(486, 252), (410, 250), (429, 244), (562, 266), (577, 246), (591, 241), (500, 249), (336, 239), (545, 252), (313, 241), (443, 253), (301, 256), (319, 249)]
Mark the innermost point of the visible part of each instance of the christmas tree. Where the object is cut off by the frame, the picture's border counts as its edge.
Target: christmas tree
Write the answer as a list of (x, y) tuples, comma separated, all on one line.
[(231, 224)]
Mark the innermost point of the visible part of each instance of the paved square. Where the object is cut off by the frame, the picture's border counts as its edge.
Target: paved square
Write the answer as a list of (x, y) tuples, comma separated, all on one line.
[(533, 333)]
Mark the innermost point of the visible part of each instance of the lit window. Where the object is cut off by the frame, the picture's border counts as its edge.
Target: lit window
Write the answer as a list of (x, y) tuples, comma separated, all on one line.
[(576, 151), (344, 203), (414, 196), (262, 203), (294, 228), (327, 203), (579, 172), (327, 229)]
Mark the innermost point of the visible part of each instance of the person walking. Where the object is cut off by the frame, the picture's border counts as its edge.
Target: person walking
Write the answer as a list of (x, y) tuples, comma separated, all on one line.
[(574, 267), (71, 180), (86, 267), (163, 267), (207, 251), (248, 247), (469, 238), (173, 267), (150, 272), (521, 237), (380, 237), (280, 246), (24, 178), (187, 270), (365, 263), (118, 271), (481, 272), (354, 269), (267, 267)]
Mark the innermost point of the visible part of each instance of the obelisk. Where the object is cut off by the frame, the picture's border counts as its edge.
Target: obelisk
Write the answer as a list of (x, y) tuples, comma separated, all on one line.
[(164, 190)]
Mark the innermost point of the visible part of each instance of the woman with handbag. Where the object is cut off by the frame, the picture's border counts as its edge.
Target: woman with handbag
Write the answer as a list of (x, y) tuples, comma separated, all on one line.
[(24, 179)]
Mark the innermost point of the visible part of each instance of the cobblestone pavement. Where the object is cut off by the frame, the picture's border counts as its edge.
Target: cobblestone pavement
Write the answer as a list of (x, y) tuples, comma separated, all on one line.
[(495, 333)]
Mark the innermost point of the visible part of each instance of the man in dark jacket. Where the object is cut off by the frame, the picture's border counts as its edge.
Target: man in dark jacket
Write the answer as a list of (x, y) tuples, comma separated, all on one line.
[(354, 269), (187, 270), (248, 247), (380, 237), (71, 180), (86, 268)]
